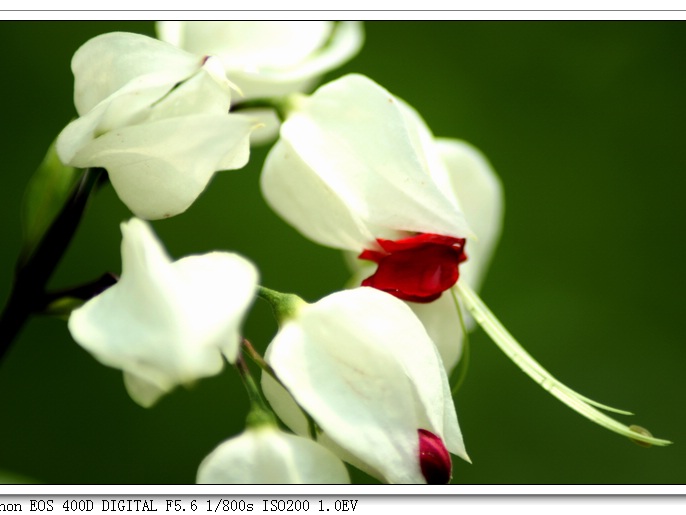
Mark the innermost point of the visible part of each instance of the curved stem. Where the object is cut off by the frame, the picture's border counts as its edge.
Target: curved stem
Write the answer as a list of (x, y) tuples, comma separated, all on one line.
[(266, 368), (258, 359), (28, 290), (260, 413), (82, 292), (512, 348)]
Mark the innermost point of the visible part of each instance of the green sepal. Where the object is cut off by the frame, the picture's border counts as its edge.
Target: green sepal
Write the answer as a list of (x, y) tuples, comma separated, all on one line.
[(46, 193), (284, 305), (260, 416)]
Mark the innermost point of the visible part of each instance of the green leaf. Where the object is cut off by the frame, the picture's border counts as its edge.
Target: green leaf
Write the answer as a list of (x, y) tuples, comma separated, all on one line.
[(45, 195)]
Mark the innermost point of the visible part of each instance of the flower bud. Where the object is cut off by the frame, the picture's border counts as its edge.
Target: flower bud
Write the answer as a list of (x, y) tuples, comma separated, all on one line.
[(434, 459)]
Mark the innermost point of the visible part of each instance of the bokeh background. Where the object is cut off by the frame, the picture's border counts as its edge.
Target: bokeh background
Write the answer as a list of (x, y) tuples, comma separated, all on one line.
[(584, 122)]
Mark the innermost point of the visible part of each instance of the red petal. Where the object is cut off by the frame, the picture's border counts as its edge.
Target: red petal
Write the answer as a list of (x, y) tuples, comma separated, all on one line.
[(416, 269), (418, 240), (434, 459), (372, 255)]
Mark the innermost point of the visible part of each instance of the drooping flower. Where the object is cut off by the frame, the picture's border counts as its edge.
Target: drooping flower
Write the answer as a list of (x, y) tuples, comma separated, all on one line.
[(156, 117), (362, 366), (358, 169), (268, 59), (266, 455), (166, 323)]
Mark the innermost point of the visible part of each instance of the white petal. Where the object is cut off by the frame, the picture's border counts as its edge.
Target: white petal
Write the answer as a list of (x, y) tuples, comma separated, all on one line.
[(441, 321), (247, 45), (200, 94), (301, 197), (109, 62), (78, 134), (127, 106), (363, 366), (144, 392), (268, 125), (293, 417), (423, 138), (171, 31), (226, 284), (269, 59), (165, 323), (481, 196), (422, 363), (345, 42), (158, 169), (265, 455), (283, 403), (355, 136)]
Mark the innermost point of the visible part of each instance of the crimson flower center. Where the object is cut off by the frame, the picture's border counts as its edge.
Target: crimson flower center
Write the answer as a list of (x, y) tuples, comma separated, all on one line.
[(418, 268)]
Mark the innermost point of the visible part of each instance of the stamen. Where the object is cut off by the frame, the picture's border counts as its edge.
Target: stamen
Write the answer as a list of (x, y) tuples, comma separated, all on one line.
[(457, 376), (506, 342)]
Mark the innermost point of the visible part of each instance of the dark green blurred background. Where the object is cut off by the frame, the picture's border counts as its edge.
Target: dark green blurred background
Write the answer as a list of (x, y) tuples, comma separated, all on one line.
[(584, 123)]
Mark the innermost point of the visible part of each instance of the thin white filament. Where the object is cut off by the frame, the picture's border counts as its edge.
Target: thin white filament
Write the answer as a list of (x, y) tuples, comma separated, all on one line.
[(507, 343)]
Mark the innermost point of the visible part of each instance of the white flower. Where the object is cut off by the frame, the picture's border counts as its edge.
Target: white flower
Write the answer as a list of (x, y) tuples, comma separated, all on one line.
[(269, 58), (266, 455), (166, 323), (156, 117), (356, 167), (361, 364)]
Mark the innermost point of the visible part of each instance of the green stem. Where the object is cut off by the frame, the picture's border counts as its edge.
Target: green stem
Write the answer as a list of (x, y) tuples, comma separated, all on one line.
[(28, 289), (260, 413), (262, 363), (82, 292), (258, 359)]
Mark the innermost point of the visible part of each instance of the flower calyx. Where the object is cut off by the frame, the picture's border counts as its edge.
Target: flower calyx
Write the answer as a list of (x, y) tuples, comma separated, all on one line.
[(418, 268), (284, 305)]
